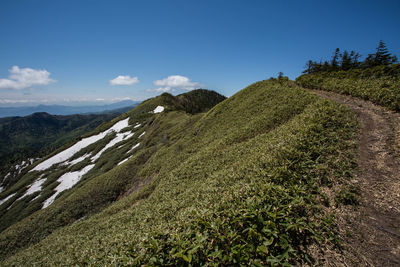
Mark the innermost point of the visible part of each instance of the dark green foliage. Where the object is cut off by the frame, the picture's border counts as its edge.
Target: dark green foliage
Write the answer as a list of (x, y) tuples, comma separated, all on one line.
[(347, 61), (381, 57), (380, 84), (195, 101), (334, 62), (199, 100)]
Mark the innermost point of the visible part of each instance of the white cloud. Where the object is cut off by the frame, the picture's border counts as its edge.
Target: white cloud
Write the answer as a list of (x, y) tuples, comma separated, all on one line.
[(124, 80), (175, 82), (25, 78)]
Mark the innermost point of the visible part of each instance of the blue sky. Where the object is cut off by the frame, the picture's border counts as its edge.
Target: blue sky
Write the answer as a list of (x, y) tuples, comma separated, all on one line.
[(69, 51)]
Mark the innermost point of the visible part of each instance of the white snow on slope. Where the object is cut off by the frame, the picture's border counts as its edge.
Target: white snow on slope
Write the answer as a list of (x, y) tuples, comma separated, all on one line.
[(137, 125), (120, 137), (125, 160), (75, 161), (135, 146), (4, 178), (142, 134), (158, 109), (35, 198), (7, 198), (1, 189), (69, 152), (67, 181), (34, 187)]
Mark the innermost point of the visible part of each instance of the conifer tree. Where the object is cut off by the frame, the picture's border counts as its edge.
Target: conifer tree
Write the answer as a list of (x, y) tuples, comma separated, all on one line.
[(354, 56), (381, 56), (335, 59), (309, 67), (345, 63)]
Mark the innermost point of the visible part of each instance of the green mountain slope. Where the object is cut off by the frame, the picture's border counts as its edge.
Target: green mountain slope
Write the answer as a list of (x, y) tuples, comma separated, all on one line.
[(115, 183), (239, 184), (380, 84), (38, 134)]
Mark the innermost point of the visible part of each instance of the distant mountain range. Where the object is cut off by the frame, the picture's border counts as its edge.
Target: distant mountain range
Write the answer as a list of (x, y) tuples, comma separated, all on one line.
[(65, 110)]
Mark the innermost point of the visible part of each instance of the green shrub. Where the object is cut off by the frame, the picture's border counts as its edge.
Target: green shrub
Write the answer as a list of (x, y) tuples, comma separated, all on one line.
[(348, 196), (380, 84)]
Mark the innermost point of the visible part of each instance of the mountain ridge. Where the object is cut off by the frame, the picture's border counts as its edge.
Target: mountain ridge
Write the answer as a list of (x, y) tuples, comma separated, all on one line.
[(63, 109), (236, 146)]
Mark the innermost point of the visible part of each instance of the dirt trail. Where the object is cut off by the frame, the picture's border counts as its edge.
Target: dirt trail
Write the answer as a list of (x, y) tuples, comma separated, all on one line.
[(372, 230)]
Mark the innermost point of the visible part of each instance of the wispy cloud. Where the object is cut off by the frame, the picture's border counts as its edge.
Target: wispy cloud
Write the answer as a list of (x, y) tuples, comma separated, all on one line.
[(174, 82), (162, 89), (25, 78), (14, 101), (124, 98), (60, 100), (124, 80)]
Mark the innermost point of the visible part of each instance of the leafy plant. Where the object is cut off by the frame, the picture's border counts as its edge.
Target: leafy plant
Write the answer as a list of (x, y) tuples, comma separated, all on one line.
[(379, 84)]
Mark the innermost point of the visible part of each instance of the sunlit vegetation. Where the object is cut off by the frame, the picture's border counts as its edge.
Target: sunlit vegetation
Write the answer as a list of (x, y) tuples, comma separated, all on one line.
[(237, 183), (380, 84)]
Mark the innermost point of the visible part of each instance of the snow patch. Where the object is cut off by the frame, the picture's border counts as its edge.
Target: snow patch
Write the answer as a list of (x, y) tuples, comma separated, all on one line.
[(135, 146), (69, 152), (67, 181), (119, 125), (75, 161), (125, 160), (158, 109), (35, 198), (1, 189), (5, 177), (34, 187), (142, 134), (137, 125), (23, 165), (7, 198), (120, 137)]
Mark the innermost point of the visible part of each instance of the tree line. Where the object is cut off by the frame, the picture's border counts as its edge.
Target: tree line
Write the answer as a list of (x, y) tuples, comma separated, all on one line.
[(351, 60)]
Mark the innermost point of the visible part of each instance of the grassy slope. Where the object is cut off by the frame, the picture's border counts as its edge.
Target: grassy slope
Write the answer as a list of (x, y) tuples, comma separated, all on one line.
[(102, 184), (237, 184), (380, 84)]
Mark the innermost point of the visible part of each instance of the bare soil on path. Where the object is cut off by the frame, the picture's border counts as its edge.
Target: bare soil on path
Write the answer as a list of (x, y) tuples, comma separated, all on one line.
[(371, 230)]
